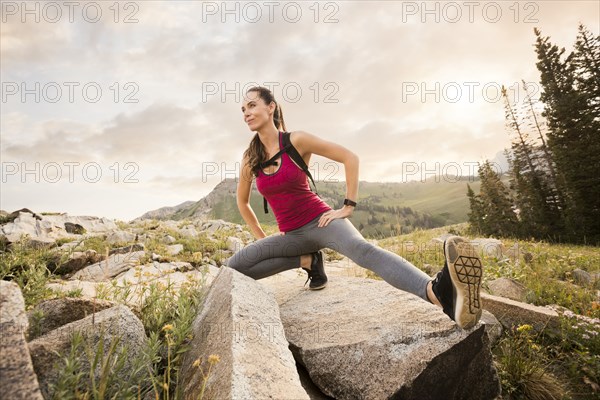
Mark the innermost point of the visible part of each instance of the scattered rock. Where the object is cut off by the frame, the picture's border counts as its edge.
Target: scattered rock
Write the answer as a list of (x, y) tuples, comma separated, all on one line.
[(581, 277), (78, 260), (58, 312), (74, 228), (363, 338), (509, 288), (115, 322), (86, 289), (247, 336), (189, 231), (489, 247), (106, 269), (43, 231), (127, 249), (174, 249), (513, 313), (17, 377), (120, 237), (168, 239), (234, 244)]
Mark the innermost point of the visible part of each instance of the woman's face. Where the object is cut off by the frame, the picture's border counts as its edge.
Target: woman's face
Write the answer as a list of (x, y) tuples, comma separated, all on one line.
[(256, 113)]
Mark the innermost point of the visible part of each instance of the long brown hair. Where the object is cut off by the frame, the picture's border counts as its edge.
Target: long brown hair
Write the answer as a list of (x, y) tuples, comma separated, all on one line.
[(256, 152)]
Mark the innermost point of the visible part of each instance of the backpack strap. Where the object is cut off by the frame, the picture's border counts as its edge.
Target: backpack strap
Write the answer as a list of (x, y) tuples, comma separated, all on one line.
[(294, 155)]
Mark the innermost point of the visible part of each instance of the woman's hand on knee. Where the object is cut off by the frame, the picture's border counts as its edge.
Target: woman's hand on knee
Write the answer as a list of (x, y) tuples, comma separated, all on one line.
[(329, 216)]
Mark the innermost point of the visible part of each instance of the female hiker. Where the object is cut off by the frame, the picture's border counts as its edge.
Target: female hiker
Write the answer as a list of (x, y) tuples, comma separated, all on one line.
[(307, 224)]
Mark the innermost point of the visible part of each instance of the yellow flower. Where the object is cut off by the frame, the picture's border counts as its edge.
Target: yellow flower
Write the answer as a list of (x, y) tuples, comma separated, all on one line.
[(213, 358), (524, 328), (165, 386), (167, 327), (196, 363)]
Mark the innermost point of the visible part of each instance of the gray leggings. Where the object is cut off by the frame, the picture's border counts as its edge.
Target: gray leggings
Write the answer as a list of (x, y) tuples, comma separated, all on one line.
[(278, 253)]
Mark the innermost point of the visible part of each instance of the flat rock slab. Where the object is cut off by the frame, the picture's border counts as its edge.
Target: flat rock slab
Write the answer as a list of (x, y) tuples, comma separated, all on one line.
[(364, 339), (112, 266), (17, 378), (514, 313), (239, 322)]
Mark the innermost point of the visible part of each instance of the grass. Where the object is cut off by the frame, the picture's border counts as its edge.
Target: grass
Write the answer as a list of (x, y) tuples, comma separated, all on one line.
[(108, 370), (561, 364), (549, 365)]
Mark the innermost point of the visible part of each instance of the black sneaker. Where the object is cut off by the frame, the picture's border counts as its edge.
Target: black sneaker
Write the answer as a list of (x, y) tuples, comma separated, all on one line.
[(316, 275), (457, 285)]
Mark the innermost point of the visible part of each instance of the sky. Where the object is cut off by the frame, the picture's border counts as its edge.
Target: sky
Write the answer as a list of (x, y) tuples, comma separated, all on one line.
[(112, 109)]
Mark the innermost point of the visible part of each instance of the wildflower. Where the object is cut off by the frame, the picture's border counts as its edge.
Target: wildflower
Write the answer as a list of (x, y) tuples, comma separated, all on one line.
[(524, 328), (165, 386), (213, 358), (167, 327), (196, 363)]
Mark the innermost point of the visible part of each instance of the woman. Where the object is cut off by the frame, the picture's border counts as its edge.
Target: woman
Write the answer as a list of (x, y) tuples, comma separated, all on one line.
[(307, 224)]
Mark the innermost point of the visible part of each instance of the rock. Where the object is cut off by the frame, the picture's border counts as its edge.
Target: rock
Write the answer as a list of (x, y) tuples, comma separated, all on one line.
[(127, 249), (78, 260), (115, 322), (363, 338), (489, 247), (86, 289), (247, 336), (493, 327), (17, 377), (151, 272), (168, 239), (509, 288), (106, 269), (581, 277), (175, 249), (189, 232), (214, 225), (45, 231), (74, 228), (120, 237), (234, 244), (58, 312), (513, 313)]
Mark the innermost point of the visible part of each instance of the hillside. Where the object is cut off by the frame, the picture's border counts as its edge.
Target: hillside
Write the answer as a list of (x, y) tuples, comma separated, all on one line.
[(385, 208)]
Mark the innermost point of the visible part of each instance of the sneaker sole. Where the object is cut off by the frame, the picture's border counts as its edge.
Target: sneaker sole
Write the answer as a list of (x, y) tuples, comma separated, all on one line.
[(318, 287), (466, 271)]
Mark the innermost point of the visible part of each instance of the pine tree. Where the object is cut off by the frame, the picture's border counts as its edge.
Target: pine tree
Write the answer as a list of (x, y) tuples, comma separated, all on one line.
[(492, 210), (476, 210), (531, 180), (570, 96)]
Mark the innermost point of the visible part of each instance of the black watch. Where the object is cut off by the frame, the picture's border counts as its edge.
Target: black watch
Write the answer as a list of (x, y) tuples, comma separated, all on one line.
[(349, 203)]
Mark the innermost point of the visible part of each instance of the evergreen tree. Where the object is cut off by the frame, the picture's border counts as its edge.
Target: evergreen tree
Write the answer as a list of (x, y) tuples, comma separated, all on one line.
[(476, 210), (531, 180), (570, 96), (497, 215)]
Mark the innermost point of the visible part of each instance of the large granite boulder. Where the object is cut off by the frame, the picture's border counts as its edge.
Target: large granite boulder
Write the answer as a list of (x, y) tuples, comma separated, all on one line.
[(117, 322), (17, 378), (54, 313), (364, 339), (240, 324)]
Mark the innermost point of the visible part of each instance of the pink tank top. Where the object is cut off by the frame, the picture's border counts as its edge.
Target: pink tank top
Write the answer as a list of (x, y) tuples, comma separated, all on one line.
[(288, 193)]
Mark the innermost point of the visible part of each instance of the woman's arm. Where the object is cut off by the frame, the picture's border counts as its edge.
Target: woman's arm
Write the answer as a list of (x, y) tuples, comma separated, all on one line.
[(243, 201), (308, 144)]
